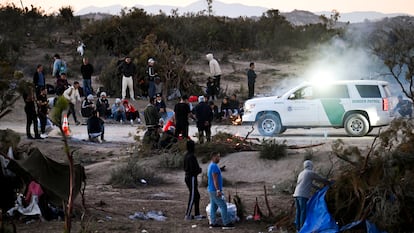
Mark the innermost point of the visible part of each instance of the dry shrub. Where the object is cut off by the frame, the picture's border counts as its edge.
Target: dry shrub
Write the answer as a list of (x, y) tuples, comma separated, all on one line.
[(271, 149), (224, 143), (379, 186), (130, 174)]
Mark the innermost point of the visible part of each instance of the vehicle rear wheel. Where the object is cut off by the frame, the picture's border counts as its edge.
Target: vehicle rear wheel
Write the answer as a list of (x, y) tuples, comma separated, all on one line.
[(269, 125), (356, 125)]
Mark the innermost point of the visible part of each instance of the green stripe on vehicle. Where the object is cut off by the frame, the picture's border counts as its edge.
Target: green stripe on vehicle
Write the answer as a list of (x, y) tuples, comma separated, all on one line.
[(334, 110)]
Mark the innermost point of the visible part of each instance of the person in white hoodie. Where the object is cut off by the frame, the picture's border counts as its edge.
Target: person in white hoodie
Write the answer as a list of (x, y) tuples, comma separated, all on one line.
[(72, 95), (215, 71), (303, 191)]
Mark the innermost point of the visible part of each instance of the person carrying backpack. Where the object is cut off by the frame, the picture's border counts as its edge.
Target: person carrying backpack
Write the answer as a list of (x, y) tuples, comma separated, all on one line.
[(59, 66)]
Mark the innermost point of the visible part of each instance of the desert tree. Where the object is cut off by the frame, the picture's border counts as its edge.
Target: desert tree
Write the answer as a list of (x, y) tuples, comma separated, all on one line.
[(210, 7), (393, 43)]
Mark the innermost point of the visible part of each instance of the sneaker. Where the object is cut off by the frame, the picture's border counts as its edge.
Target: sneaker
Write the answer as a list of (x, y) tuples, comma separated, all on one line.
[(77, 123), (214, 225), (139, 121), (199, 217), (187, 218), (121, 121), (133, 99), (43, 135), (132, 122), (228, 226)]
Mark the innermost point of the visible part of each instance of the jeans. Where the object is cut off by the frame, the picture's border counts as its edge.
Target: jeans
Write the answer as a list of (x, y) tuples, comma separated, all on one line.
[(151, 89), (119, 116), (218, 202), (300, 211), (87, 86)]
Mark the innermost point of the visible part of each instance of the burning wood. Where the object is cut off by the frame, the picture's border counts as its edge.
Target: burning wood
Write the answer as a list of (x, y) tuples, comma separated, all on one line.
[(236, 120)]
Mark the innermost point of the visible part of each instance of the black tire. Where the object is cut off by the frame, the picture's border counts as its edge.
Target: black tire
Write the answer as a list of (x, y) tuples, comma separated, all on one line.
[(356, 125), (269, 125)]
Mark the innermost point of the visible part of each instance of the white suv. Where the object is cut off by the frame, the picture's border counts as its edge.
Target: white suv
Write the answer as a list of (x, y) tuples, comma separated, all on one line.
[(356, 105)]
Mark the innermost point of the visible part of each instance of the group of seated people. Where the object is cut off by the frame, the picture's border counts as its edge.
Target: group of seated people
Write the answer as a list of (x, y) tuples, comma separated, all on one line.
[(95, 113), (230, 108)]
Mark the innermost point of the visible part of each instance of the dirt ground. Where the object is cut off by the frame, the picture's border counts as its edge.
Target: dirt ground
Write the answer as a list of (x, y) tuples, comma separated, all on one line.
[(108, 208)]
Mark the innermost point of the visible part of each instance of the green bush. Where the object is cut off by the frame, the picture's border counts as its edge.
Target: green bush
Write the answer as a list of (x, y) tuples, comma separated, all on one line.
[(271, 149)]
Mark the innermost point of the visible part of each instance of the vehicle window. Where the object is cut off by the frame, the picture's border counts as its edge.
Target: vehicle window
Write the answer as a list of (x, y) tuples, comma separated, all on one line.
[(369, 91), (334, 91), (303, 93)]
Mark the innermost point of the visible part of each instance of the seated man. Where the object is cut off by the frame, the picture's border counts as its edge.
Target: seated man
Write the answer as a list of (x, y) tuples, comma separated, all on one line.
[(102, 106), (118, 111), (95, 127), (87, 106), (404, 107)]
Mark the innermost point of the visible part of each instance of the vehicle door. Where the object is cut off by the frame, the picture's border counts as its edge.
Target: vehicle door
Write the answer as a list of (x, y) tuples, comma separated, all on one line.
[(301, 108), (334, 101)]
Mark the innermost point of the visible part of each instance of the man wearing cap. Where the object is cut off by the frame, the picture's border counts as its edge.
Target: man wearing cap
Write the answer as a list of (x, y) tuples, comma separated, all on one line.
[(102, 106), (161, 106), (204, 116), (128, 71), (151, 77)]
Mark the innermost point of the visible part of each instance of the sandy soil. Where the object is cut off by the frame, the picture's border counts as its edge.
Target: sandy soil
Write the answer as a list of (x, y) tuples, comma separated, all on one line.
[(108, 207)]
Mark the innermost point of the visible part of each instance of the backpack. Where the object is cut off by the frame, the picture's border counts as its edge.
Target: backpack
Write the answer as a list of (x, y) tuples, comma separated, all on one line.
[(62, 67)]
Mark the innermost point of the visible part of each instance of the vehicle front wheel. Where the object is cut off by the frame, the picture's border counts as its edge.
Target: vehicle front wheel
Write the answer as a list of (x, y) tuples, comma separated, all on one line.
[(356, 125), (269, 125)]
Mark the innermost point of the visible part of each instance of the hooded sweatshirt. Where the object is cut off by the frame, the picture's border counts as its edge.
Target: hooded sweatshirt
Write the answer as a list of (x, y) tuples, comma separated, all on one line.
[(305, 181), (214, 65)]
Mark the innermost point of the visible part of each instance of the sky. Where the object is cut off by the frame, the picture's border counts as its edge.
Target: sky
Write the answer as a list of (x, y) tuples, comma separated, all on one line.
[(343, 6)]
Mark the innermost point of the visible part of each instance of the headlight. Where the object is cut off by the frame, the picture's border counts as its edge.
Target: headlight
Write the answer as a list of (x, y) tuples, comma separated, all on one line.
[(249, 106)]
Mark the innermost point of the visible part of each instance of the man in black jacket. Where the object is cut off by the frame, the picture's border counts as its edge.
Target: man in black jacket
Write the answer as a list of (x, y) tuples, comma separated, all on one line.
[(192, 169), (128, 72), (204, 116), (95, 127)]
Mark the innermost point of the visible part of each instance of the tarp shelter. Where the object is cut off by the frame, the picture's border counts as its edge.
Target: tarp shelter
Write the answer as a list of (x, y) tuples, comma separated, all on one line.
[(318, 218), (51, 175)]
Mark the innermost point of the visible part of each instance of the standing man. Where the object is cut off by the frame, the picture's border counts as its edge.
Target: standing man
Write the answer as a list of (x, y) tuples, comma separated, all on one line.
[(152, 117), (128, 71), (192, 169), (303, 191), (59, 66), (182, 111), (151, 77), (251, 79), (42, 111), (86, 71), (30, 110), (215, 71), (72, 95), (215, 191), (204, 116), (39, 79)]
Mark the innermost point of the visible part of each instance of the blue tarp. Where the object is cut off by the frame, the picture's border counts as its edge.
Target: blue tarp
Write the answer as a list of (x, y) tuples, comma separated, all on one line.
[(318, 218)]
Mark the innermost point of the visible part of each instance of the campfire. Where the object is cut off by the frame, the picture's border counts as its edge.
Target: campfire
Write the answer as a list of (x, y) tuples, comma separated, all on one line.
[(236, 120)]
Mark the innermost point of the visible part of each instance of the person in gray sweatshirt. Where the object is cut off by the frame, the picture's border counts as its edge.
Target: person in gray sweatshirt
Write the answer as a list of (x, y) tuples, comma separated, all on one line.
[(303, 190)]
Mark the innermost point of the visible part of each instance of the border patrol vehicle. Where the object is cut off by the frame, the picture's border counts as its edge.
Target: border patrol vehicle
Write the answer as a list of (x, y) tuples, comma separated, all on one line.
[(356, 105)]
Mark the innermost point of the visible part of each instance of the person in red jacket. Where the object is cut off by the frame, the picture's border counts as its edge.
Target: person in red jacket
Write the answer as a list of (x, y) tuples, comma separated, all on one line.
[(130, 112)]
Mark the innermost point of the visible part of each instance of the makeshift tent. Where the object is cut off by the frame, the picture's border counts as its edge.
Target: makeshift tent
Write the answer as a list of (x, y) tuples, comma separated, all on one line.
[(51, 175)]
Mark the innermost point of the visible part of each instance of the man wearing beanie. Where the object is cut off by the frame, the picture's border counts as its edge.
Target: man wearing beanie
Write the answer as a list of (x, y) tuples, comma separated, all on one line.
[(204, 116)]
